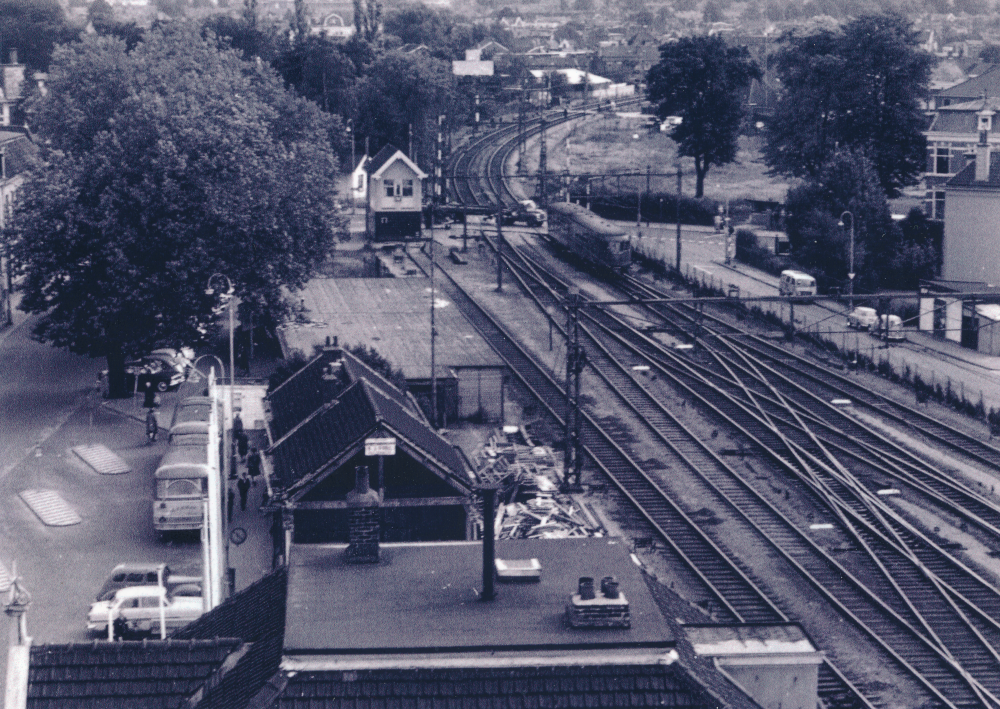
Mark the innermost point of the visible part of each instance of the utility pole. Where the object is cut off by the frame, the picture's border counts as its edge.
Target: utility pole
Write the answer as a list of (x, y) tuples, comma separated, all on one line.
[(575, 361), (521, 139), (475, 125), (678, 217), (439, 161), (648, 167), (499, 245), (542, 166), (434, 414)]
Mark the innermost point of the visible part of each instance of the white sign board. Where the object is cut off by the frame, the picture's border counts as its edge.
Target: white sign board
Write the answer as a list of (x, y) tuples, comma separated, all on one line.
[(380, 446)]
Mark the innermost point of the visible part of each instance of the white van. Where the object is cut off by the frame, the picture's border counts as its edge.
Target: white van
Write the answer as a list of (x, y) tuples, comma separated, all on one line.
[(796, 283)]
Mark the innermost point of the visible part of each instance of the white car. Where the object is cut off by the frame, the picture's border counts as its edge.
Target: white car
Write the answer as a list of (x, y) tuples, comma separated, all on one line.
[(862, 318), (143, 608)]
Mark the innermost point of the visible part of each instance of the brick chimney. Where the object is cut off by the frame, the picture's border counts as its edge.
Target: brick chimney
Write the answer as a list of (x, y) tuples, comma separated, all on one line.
[(608, 610), (363, 530)]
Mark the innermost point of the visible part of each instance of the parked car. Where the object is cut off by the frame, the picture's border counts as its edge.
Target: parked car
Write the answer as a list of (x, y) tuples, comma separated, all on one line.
[(141, 609), (526, 212), (862, 318), (148, 574), (152, 372), (893, 331), (182, 359)]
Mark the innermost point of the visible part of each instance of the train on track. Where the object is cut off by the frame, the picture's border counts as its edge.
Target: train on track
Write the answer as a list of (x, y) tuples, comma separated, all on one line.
[(596, 240)]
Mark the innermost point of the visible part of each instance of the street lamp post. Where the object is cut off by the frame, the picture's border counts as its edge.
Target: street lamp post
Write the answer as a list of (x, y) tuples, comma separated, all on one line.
[(350, 136), (227, 446), (850, 267)]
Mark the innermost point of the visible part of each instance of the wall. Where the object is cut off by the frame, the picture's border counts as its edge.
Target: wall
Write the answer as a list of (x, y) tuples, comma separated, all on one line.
[(953, 321), (776, 685), (397, 172), (972, 236), (479, 391)]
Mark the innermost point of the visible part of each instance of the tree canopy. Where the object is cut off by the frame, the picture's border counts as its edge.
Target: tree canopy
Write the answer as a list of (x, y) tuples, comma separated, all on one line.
[(700, 79), (162, 166), (33, 28), (857, 88)]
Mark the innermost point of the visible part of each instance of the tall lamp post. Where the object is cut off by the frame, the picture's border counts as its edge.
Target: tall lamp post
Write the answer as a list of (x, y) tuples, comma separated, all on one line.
[(850, 267), (350, 136), (227, 446)]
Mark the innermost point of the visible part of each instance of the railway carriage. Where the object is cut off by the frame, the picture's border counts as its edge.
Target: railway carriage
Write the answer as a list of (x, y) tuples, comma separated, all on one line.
[(592, 238)]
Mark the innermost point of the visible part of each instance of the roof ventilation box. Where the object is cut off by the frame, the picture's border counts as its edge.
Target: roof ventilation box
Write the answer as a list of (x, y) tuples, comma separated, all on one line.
[(519, 570)]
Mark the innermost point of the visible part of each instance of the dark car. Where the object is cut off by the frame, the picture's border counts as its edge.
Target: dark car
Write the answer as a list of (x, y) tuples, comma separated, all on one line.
[(154, 373)]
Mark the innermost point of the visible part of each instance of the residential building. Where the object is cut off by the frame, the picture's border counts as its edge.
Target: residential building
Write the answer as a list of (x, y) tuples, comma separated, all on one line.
[(16, 152)]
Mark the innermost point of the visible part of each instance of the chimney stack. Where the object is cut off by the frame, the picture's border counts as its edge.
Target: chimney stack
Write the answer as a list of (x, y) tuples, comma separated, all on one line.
[(363, 532), (985, 125), (588, 610)]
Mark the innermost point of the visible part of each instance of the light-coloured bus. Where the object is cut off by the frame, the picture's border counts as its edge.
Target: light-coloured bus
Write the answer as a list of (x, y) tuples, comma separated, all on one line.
[(181, 480), (796, 283)]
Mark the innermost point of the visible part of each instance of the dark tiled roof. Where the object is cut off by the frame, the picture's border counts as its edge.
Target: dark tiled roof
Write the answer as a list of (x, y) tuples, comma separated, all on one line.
[(494, 688), (328, 432), (153, 674), (407, 425), (356, 369), (987, 83), (256, 615), (966, 177), (19, 152), (382, 157), (300, 395)]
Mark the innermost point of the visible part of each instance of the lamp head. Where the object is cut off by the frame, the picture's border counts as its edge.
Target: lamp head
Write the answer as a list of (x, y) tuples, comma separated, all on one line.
[(841, 223), (211, 291)]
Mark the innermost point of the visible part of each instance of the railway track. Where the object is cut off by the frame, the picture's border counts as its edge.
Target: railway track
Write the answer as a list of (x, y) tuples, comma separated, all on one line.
[(878, 605)]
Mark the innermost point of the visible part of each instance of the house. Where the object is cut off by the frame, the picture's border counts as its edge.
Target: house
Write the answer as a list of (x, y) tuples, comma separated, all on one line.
[(16, 153), (12, 90), (985, 84), (395, 196), (334, 27), (323, 420), (961, 305), (359, 182), (951, 135)]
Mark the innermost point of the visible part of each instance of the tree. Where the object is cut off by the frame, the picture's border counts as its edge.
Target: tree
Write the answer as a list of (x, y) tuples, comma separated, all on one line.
[(33, 28), (850, 182), (856, 88), (162, 166), (367, 19), (990, 53), (700, 79)]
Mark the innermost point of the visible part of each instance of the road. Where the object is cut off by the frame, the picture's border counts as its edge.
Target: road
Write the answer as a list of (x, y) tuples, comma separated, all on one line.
[(47, 398)]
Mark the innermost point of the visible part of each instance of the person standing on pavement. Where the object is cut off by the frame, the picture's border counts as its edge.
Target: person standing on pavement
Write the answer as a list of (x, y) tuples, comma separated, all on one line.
[(238, 432), (152, 426), (244, 487), (253, 464)]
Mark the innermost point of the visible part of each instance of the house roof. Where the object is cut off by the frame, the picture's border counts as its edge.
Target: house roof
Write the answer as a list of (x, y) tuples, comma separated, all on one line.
[(387, 156), (257, 616), (986, 84), (18, 151), (423, 598), (306, 390), (962, 118), (966, 177), (339, 427), (664, 685), (137, 674)]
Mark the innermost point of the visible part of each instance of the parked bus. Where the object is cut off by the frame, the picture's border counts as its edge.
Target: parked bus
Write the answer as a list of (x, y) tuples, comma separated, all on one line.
[(181, 480), (180, 488), (796, 283)]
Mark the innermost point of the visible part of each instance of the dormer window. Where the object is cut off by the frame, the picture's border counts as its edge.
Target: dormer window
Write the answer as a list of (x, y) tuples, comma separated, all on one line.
[(390, 188)]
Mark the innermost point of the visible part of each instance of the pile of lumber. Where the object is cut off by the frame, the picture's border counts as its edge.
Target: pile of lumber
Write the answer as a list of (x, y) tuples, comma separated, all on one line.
[(528, 476)]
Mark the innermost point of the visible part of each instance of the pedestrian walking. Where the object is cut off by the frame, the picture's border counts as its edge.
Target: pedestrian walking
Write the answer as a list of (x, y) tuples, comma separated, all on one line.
[(149, 396), (237, 427), (244, 487), (152, 426), (242, 443), (253, 464)]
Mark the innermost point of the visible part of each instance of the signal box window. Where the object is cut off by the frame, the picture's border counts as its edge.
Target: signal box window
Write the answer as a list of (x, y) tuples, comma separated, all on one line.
[(407, 188), (390, 189)]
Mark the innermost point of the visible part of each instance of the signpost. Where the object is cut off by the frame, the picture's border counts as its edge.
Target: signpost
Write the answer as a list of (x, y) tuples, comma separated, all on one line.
[(380, 447)]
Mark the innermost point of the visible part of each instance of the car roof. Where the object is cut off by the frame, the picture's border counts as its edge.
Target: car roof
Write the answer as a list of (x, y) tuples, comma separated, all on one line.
[(138, 566), (864, 309), (130, 592)]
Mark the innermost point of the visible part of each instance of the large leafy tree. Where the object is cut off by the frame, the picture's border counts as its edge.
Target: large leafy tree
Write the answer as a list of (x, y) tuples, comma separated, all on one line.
[(857, 88), (701, 80), (161, 167), (33, 28)]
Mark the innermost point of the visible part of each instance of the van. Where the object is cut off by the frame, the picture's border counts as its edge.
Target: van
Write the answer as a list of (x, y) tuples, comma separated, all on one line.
[(862, 318), (894, 331), (796, 283)]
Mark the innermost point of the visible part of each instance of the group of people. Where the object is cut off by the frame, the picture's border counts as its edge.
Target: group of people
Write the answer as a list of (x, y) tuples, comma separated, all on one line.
[(244, 452)]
